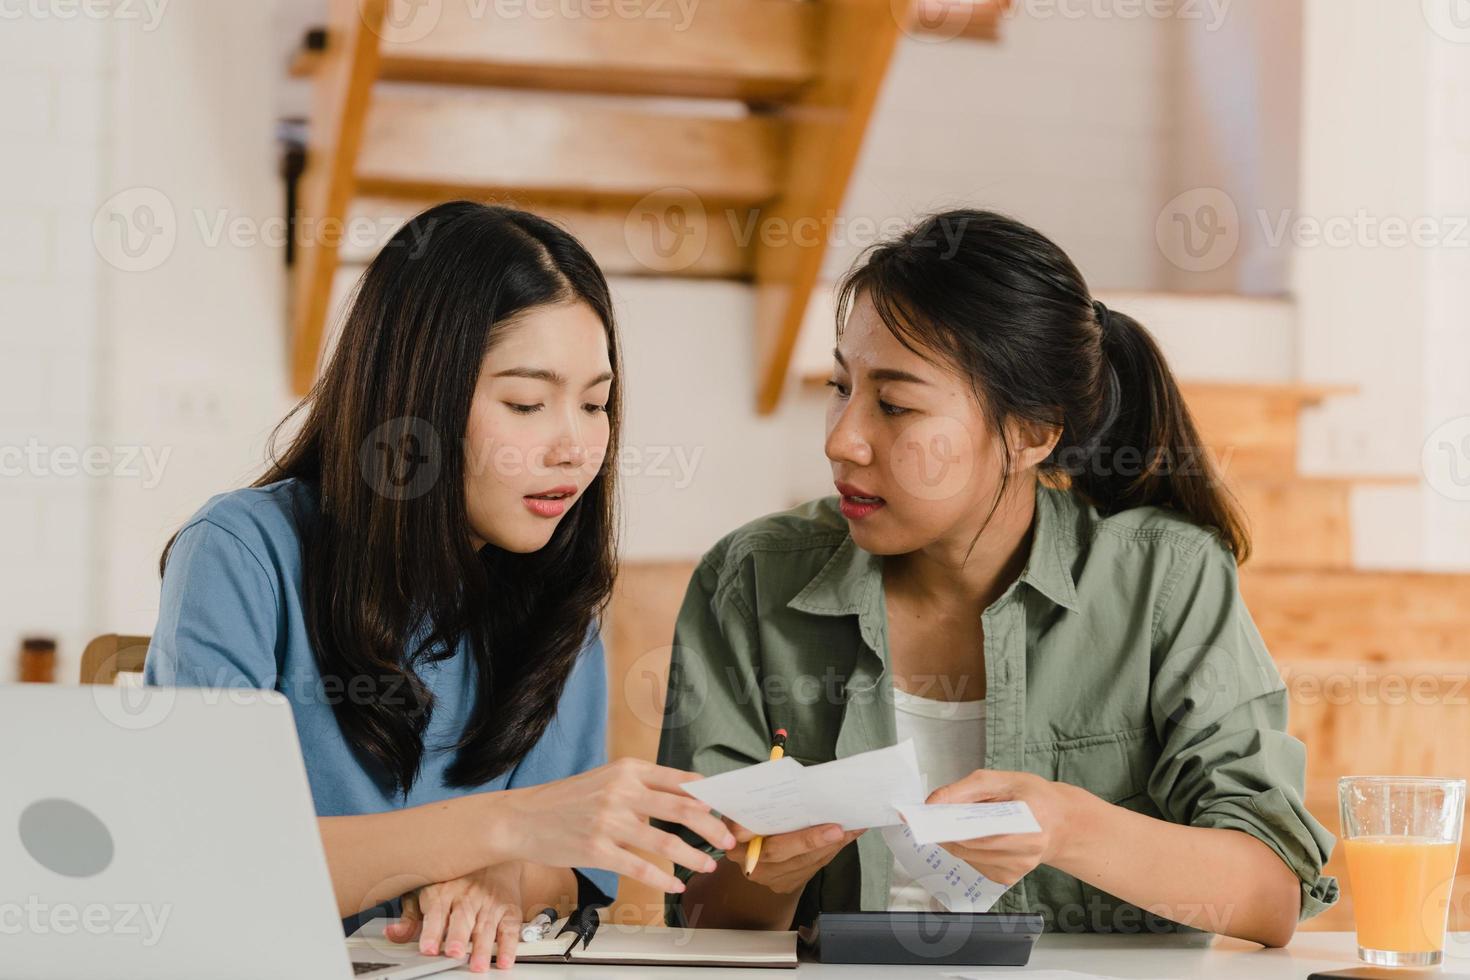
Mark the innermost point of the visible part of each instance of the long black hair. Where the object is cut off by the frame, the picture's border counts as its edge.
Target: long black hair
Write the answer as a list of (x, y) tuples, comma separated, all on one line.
[(1004, 305), (391, 578)]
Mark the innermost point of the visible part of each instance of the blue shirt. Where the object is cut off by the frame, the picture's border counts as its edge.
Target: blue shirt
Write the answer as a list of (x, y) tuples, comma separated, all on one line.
[(231, 616)]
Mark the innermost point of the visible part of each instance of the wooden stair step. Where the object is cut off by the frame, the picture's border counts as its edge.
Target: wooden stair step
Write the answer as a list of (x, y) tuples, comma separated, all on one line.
[(655, 239), (1297, 523), (1253, 429), (1367, 616), (499, 144), (753, 50)]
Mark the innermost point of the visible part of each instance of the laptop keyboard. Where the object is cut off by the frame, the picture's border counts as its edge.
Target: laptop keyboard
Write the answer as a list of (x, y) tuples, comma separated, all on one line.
[(358, 969)]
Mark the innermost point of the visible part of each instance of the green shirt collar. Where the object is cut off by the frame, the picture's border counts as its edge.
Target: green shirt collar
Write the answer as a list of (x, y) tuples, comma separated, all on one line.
[(851, 582)]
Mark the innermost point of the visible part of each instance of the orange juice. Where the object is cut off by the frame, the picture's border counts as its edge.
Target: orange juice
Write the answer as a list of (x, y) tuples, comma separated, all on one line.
[(1400, 891)]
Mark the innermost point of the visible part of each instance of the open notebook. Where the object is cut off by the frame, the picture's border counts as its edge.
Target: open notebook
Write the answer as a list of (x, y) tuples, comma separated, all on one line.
[(627, 945)]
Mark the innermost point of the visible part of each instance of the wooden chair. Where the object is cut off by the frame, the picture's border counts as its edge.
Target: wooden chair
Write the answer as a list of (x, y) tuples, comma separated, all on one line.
[(110, 655)]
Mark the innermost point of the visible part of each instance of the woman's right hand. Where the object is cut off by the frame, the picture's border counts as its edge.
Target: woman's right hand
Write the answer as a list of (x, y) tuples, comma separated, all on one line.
[(788, 861), (600, 819)]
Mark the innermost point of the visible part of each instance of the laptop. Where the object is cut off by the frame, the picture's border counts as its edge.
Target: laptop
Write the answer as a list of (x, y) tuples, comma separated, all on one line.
[(164, 834)]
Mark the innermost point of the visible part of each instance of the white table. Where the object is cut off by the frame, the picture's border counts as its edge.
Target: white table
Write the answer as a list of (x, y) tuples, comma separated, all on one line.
[(1134, 957)]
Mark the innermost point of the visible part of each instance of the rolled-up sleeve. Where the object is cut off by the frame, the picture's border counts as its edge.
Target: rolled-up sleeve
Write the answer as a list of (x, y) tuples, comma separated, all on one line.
[(711, 723), (1219, 708)]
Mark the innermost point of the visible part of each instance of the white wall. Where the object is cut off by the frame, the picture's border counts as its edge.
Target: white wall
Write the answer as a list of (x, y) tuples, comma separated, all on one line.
[(1065, 124), (1383, 150), (53, 127), (162, 358)]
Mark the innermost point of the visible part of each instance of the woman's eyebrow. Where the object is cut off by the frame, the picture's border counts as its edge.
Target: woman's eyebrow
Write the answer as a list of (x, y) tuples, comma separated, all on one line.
[(549, 376), (891, 374), (883, 374)]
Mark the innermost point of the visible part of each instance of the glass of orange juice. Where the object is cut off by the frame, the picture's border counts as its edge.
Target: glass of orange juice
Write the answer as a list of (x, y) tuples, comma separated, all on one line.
[(1402, 837)]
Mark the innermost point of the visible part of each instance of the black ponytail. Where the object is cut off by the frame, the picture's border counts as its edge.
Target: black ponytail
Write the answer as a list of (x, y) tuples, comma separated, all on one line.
[(1003, 303)]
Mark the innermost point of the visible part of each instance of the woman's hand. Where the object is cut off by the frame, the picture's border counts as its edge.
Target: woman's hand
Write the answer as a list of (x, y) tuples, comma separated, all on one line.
[(599, 819), (788, 861), (478, 913), (1007, 858)]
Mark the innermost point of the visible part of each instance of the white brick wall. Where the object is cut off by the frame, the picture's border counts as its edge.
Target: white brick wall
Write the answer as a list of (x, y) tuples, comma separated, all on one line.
[(54, 77)]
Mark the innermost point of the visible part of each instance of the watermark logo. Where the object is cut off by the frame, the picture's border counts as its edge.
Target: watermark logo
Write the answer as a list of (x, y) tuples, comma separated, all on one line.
[(404, 21), (135, 708), (1450, 19), (135, 230), (1445, 459), (1198, 230), (667, 230), (401, 458), (933, 459), (667, 688), (932, 21)]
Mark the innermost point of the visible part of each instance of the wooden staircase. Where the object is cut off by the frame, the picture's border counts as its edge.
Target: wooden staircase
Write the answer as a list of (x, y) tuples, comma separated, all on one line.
[(673, 139)]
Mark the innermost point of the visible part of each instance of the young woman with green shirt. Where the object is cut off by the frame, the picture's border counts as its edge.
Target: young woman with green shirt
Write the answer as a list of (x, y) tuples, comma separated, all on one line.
[(1029, 569)]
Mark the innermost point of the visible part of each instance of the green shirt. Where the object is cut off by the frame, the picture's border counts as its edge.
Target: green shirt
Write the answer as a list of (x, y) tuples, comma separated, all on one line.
[(1122, 660)]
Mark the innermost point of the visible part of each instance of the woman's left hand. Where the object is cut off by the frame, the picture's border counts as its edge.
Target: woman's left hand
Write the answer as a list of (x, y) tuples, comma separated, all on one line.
[(472, 914), (1007, 858)]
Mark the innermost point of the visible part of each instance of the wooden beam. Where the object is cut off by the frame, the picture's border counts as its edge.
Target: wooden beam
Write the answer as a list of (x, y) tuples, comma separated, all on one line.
[(488, 144), (752, 50), (828, 121), (343, 87)]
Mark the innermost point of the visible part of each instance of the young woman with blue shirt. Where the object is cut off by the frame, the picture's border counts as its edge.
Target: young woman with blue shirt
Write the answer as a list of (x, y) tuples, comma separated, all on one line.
[(421, 573)]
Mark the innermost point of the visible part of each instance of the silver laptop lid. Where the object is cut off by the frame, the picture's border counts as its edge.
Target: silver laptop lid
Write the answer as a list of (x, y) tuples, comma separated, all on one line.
[(155, 834)]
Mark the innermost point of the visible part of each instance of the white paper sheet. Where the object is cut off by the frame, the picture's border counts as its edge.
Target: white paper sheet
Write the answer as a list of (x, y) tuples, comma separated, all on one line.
[(959, 887), (938, 823), (883, 789), (858, 792), (767, 797)]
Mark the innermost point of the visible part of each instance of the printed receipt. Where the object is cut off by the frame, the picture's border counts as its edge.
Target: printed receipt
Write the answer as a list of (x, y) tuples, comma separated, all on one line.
[(959, 887)]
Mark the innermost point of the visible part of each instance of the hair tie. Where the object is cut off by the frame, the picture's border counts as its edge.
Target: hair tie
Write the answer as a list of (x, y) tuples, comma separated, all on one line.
[(1103, 320)]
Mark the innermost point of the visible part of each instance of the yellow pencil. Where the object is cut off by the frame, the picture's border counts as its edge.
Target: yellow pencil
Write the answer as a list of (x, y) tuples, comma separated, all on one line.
[(778, 749)]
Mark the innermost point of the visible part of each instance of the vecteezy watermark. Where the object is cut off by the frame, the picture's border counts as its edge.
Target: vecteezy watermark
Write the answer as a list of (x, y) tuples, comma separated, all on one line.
[(137, 229), (1367, 686), (1450, 19), (37, 459), (1201, 229), (670, 229), (401, 459), (1211, 12), (408, 21), (36, 917), (1445, 459), (1362, 229), (1198, 230), (149, 12)]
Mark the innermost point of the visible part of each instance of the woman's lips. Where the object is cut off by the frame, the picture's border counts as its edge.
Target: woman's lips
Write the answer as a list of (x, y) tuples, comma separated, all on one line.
[(857, 504), (550, 503)]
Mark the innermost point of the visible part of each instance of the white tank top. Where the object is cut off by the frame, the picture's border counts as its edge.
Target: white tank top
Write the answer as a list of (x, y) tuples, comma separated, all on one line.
[(949, 738)]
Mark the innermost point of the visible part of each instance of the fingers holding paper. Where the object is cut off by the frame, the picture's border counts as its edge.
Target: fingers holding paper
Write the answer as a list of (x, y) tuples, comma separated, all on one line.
[(1010, 847), (600, 819), (788, 861)]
